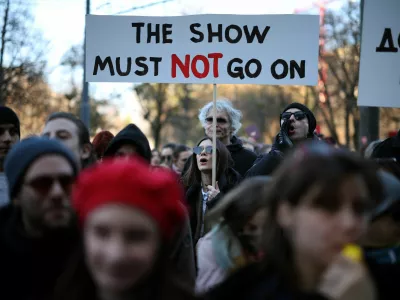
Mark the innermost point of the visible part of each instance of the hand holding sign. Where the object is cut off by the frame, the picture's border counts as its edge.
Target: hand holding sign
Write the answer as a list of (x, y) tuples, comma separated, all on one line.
[(212, 192)]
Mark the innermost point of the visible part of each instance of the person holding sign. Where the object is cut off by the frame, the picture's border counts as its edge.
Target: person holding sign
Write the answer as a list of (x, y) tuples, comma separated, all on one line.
[(228, 124), (297, 126), (200, 195)]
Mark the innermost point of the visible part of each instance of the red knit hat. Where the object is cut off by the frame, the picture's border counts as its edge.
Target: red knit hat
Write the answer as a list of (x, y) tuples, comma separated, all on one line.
[(131, 182), (101, 141)]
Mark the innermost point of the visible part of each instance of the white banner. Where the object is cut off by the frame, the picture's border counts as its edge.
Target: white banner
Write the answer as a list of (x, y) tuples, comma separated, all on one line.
[(251, 49), (379, 83)]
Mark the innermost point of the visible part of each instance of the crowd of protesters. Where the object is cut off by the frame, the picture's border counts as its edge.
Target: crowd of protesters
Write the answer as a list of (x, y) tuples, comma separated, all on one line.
[(112, 219)]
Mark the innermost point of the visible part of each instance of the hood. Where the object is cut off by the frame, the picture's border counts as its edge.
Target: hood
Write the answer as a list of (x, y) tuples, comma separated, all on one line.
[(131, 134), (235, 145)]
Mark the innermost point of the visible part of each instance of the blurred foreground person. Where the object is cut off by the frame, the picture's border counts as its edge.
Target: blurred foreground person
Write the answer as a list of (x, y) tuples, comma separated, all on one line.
[(235, 241), (9, 136), (38, 230), (381, 242), (200, 194), (129, 215), (318, 202)]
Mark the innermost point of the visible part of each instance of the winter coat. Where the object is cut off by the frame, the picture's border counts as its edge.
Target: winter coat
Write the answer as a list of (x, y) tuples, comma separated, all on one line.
[(131, 134), (29, 267), (252, 283), (384, 267), (194, 198), (219, 253)]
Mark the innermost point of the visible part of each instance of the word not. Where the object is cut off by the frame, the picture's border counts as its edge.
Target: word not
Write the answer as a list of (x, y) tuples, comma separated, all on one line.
[(388, 38), (186, 66), (139, 62), (233, 33)]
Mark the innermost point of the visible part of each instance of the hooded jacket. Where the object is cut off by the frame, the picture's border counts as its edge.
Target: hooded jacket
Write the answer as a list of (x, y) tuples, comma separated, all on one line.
[(132, 135), (243, 158)]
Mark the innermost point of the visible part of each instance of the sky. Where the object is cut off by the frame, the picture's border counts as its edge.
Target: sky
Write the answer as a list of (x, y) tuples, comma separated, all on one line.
[(62, 24)]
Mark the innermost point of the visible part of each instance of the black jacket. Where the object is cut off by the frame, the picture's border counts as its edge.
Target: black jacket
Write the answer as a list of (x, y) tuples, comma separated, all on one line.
[(243, 158), (131, 134), (194, 200), (252, 283), (29, 267)]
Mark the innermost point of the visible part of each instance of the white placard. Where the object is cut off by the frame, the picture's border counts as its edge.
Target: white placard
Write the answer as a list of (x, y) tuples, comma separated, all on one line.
[(250, 49), (379, 83)]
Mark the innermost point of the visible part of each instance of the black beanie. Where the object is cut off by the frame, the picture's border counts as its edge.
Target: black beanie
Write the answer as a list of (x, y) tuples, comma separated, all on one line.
[(8, 116), (23, 154), (312, 122)]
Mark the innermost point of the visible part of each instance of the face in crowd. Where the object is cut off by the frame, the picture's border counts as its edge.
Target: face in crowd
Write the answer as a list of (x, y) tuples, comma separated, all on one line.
[(182, 159), (224, 126), (8, 137), (67, 132), (204, 156), (167, 156), (122, 245), (44, 195), (298, 128)]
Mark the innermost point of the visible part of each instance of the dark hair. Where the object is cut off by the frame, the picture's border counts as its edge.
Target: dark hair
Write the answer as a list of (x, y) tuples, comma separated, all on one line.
[(179, 149), (170, 145), (241, 203), (224, 161), (311, 164), (83, 132), (163, 282)]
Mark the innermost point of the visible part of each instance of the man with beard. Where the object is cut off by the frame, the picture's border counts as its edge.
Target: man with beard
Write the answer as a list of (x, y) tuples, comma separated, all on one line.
[(9, 135), (297, 126), (38, 231)]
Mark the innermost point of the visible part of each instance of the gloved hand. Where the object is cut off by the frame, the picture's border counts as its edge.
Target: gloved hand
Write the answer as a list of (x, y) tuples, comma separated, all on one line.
[(284, 142)]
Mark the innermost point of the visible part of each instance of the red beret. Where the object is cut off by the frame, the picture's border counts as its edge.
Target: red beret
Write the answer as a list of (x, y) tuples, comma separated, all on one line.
[(132, 182)]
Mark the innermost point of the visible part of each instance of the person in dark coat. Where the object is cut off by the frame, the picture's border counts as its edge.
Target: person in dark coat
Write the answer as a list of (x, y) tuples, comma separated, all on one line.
[(389, 148), (381, 242), (132, 141), (38, 231), (200, 194), (312, 214), (297, 125), (228, 124)]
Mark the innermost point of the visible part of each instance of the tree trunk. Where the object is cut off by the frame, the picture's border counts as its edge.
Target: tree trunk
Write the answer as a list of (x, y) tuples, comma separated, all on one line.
[(3, 45)]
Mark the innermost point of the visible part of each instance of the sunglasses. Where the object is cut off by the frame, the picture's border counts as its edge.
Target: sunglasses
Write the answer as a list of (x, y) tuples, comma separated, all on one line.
[(298, 115), (219, 120), (199, 149), (43, 184), (166, 158)]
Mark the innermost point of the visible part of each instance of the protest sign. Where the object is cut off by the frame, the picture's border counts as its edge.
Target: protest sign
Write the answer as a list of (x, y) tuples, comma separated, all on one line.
[(232, 49), (379, 83)]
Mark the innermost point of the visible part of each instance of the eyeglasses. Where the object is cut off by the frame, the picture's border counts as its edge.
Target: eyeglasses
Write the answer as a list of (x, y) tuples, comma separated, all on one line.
[(199, 149), (298, 115), (43, 184), (219, 120)]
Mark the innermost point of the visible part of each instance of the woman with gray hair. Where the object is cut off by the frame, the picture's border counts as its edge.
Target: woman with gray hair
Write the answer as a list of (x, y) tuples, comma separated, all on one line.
[(228, 124)]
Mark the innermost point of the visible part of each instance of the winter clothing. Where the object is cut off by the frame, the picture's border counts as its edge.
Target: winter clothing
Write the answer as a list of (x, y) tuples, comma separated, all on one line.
[(253, 283), (194, 198), (131, 182), (101, 142), (8, 116), (30, 266), (23, 154), (219, 253), (131, 134), (388, 148), (4, 198), (312, 122)]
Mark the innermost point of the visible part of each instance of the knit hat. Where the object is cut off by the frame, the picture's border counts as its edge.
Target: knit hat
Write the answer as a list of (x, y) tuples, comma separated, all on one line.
[(101, 142), (131, 182), (23, 154), (8, 116), (312, 122)]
